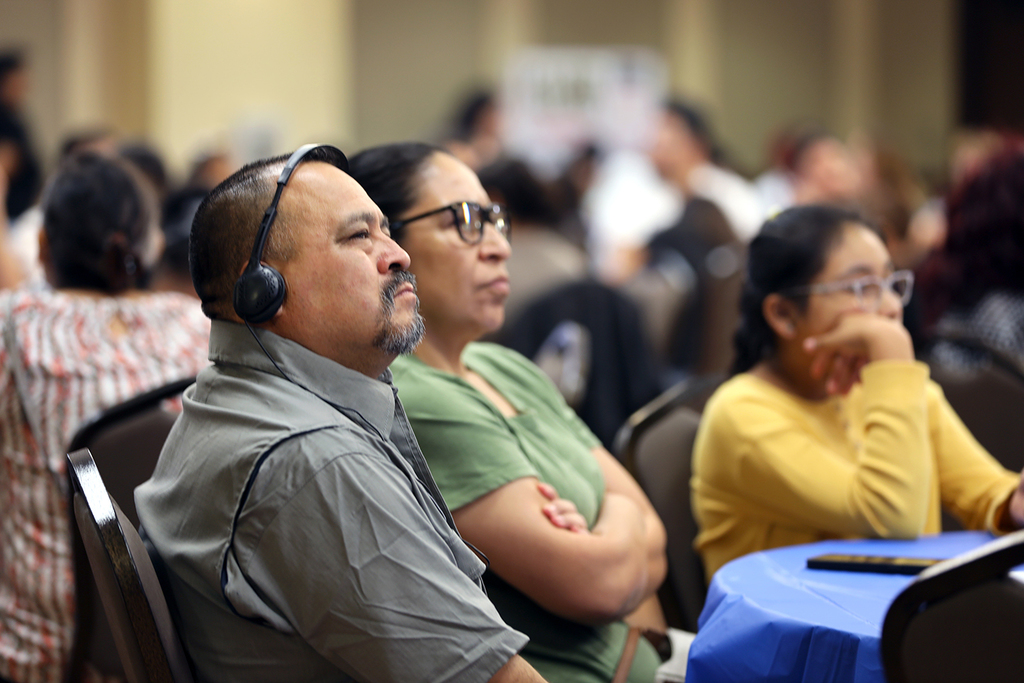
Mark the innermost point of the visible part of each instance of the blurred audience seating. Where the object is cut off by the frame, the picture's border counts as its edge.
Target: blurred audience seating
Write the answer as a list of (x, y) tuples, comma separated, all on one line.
[(622, 376), (655, 443)]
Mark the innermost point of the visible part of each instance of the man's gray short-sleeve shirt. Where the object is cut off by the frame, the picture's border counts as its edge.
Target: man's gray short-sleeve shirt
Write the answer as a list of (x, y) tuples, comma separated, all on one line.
[(305, 537)]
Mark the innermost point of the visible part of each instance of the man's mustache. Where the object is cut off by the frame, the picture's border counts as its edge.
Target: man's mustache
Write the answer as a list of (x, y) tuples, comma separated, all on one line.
[(398, 278)]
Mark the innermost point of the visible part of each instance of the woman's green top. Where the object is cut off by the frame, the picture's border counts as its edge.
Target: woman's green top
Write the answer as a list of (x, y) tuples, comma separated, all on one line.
[(473, 449)]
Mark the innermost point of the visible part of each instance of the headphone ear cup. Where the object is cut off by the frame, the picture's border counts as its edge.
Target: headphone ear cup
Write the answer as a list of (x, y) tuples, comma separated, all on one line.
[(259, 293)]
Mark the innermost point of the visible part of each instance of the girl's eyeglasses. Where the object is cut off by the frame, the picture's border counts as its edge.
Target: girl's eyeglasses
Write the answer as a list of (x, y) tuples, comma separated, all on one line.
[(867, 289)]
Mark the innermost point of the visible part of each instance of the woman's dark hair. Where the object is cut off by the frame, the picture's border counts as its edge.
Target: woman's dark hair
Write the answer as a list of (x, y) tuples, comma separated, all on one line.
[(984, 247), (99, 219), (389, 174), (789, 251)]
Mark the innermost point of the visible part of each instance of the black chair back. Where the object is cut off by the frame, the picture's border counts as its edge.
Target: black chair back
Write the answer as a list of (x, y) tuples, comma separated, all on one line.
[(989, 400), (960, 620), (656, 444), (125, 441), (623, 375), (134, 602)]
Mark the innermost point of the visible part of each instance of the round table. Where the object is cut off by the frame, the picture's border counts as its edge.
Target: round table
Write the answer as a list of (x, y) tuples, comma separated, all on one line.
[(769, 618)]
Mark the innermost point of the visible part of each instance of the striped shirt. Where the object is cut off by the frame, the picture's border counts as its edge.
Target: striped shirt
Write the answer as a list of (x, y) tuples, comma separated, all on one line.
[(72, 356)]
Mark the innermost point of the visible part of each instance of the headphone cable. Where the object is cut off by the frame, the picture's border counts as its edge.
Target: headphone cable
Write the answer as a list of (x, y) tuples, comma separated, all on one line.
[(253, 333)]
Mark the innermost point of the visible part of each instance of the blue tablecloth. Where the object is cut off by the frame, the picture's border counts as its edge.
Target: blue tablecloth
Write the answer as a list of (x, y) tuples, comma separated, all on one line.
[(769, 618)]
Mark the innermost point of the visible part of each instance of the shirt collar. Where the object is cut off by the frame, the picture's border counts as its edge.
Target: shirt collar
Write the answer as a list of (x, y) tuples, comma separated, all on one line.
[(345, 389)]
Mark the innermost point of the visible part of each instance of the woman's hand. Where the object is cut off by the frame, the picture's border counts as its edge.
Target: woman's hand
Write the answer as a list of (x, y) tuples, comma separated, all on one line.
[(561, 512), (858, 339)]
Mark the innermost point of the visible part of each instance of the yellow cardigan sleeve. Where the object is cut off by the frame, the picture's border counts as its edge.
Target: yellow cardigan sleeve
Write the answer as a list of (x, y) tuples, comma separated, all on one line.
[(972, 484), (770, 460)]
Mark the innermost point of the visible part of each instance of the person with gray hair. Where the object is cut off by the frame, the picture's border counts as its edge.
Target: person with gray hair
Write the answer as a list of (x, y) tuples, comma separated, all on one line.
[(304, 536)]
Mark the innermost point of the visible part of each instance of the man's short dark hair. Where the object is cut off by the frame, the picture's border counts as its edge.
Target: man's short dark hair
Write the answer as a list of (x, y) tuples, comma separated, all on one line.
[(225, 226)]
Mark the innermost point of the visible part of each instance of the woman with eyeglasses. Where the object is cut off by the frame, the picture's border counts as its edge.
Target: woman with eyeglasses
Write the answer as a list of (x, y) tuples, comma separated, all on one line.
[(574, 546), (829, 428)]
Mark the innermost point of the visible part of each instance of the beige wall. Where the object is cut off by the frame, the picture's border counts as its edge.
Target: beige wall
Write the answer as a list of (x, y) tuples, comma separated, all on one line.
[(34, 26), (262, 66), (413, 61), (774, 72), (600, 22), (103, 52), (782, 62), (187, 73), (919, 82)]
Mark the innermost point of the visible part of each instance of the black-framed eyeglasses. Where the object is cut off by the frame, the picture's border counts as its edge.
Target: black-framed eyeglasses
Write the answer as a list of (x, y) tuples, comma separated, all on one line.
[(470, 219), (867, 289)]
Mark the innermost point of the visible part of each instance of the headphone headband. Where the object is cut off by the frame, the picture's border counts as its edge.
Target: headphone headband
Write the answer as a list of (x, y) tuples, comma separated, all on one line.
[(259, 291)]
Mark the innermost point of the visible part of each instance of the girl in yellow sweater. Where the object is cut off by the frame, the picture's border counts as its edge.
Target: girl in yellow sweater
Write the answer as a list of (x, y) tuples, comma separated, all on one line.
[(829, 427)]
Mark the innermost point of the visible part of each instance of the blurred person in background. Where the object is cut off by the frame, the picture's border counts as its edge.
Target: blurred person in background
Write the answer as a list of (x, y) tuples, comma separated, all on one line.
[(824, 170), (829, 428), (913, 225), (11, 272), (20, 175), (569, 190), (971, 149), (96, 339), (209, 169), (895, 199), (150, 163), (973, 287), (686, 155), (474, 133), (504, 446), (172, 273), (17, 158), (23, 235), (702, 251), (775, 184), (543, 258)]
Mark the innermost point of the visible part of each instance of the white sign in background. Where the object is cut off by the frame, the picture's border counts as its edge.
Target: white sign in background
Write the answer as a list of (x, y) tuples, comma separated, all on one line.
[(556, 101)]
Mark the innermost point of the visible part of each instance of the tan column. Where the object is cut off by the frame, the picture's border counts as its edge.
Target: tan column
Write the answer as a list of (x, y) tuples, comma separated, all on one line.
[(506, 26), (82, 80), (103, 65), (693, 49), (855, 79)]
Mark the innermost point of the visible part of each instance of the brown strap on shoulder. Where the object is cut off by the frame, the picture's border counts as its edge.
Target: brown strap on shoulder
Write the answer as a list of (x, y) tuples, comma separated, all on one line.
[(628, 652)]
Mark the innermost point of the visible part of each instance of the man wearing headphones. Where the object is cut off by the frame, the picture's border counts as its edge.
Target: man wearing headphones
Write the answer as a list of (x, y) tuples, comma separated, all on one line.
[(304, 535)]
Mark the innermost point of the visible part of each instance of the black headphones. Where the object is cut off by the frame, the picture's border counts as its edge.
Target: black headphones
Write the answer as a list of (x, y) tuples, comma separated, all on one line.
[(259, 291)]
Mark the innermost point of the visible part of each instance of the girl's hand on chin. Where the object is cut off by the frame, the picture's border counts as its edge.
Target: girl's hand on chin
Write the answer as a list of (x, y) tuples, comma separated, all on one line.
[(856, 340)]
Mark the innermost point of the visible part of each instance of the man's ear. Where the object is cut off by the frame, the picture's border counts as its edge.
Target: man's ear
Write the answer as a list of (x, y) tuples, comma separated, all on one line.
[(781, 314)]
